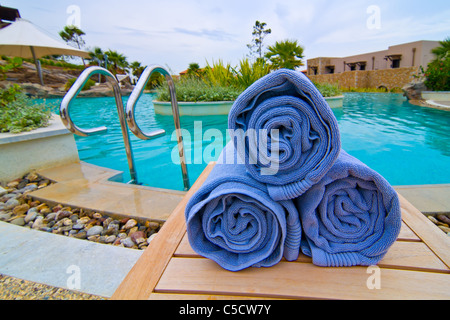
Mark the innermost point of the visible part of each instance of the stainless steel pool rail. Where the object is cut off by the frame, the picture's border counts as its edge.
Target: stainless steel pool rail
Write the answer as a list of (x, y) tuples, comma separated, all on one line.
[(73, 93), (134, 127)]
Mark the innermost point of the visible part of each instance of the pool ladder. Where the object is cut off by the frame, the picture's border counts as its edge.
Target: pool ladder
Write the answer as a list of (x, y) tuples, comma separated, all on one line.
[(128, 116)]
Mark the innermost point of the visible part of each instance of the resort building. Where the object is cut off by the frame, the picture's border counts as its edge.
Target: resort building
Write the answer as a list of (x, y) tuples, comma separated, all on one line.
[(389, 69), (413, 54)]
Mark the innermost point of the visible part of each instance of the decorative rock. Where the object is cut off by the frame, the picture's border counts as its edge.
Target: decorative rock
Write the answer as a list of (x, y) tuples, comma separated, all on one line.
[(11, 203), (19, 221), (94, 238), (45, 211), (78, 226), (5, 216), (152, 225), (2, 191), (31, 215), (22, 209), (83, 220), (50, 216), (27, 188), (445, 229), (13, 184), (62, 214), (130, 224), (432, 219), (81, 235), (32, 176), (444, 219), (97, 215), (127, 242), (110, 239), (38, 223), (138, 237), (94, 231)]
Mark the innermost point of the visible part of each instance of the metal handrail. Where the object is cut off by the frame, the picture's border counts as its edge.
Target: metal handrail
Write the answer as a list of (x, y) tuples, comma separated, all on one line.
[(73, 93), (134, 127)]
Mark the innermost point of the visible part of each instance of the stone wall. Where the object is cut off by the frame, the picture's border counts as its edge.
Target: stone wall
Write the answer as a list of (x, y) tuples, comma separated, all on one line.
[(389, 78)]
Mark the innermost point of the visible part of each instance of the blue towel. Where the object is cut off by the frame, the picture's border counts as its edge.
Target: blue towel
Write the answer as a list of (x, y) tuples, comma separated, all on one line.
[(308, 133), (232, 220), (351, 217)]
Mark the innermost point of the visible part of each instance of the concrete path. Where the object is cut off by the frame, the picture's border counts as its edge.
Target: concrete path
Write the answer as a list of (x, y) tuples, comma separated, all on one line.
[(428, 198), (63, 262)]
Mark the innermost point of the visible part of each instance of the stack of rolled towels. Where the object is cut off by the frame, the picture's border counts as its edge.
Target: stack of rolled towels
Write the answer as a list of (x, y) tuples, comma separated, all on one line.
[(283, 186)]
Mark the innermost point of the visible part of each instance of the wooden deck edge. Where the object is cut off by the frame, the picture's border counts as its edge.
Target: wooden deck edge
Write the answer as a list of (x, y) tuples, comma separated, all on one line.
[(145, 274), (433, 237)]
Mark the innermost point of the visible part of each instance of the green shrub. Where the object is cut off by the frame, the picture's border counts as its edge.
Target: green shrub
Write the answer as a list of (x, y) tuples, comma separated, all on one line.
[(89, 84), (18, 113), (438, 75), (191, 89), (11, 64), (328, 89)]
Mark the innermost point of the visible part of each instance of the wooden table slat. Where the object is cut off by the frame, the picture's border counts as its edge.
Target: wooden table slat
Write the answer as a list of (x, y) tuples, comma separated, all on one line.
[(299, 280)]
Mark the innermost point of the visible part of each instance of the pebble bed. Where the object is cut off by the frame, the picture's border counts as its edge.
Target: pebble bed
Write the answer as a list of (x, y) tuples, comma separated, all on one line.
[(442, 221), (19, 208), (17, 289)]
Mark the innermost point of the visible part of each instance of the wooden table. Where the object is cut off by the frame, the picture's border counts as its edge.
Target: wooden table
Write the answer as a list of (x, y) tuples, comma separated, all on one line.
[(416, 267)]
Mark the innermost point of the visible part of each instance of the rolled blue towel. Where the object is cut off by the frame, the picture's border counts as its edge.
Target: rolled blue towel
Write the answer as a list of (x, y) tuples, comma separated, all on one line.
[(308, 133), (351, 217), (232, 220)]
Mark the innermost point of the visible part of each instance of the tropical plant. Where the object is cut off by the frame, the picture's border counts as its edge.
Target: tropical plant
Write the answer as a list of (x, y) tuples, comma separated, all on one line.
[(219, 74), (11, 64), (116, 61), (19, 113), (259, 34), (248, 73), (438, 75), (136, 69), (443, 50), (193, 89), (328, 89), (285, 54), (89, 84), (73, 35), (97, 56), (194, 70)]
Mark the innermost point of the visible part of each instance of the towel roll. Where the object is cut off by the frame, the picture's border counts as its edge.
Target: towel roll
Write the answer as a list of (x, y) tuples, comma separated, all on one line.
[(232, 220), (308, 139), (351, 217)]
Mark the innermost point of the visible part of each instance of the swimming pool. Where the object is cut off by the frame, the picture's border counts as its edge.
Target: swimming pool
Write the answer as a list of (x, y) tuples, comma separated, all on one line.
[(407, 144)]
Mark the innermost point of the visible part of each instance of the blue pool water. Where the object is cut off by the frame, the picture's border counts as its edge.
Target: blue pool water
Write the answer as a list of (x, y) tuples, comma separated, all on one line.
[(407, 144)]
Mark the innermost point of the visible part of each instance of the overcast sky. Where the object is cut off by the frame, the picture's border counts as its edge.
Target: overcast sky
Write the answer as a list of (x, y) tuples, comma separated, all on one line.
[(174, 33)]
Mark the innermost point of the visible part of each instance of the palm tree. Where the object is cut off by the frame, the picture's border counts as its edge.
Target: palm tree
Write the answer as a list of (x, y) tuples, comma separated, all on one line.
[(118, 61), (97, 56), (74, 35), (136, 69), (286, 54), (443, 50)]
